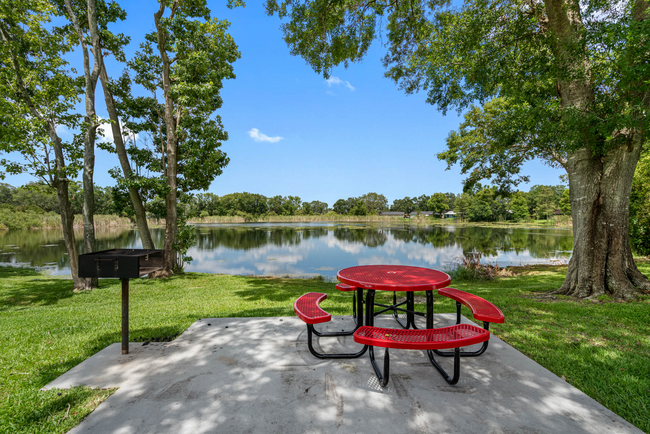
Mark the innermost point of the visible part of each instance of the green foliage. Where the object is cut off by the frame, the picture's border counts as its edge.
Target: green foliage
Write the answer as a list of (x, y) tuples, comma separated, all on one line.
[(438, 203), (359, 209), (374, 202), (42, 197), (519, 206), (479, 210), (565, 202), (341, 207), (25, 217), (406, 205), (38, 92), (640, 206)]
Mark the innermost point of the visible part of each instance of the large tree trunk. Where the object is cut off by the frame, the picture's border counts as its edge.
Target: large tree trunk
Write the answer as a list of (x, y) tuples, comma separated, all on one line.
[(90, 123), (172, 120), (134, 194), (60, 182), (602, 260)]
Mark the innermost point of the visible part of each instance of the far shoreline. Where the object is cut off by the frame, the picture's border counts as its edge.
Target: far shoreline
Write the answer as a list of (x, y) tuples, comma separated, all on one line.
[(50, 221)]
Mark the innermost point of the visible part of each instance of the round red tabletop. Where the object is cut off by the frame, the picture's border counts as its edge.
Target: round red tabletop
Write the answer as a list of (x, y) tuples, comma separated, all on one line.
[(393, 278)]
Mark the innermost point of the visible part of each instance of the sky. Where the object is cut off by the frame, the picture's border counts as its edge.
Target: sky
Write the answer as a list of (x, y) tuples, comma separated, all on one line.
[(291, 132)]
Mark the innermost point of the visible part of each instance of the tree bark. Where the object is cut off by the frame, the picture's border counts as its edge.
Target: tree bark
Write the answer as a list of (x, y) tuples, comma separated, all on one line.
[(171, 123), (134, 194), (90, 123), (60, 182), (602, 262)]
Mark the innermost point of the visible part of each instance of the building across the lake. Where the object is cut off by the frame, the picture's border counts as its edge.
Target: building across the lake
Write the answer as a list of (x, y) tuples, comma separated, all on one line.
[(422, 213), (449, 215), (392, 213)]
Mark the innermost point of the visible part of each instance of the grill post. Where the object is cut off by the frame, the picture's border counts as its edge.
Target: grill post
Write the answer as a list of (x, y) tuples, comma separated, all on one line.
[(125, 316)]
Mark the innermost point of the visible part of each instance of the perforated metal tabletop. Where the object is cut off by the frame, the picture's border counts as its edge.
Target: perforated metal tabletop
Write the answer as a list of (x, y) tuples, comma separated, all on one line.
[(393, 278)]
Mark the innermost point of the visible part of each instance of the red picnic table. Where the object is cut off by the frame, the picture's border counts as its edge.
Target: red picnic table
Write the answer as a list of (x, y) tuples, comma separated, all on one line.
[(395, 278), (400, 278)]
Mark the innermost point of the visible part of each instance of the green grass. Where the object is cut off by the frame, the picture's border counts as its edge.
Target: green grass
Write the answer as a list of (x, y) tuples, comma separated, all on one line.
[(602, 348)]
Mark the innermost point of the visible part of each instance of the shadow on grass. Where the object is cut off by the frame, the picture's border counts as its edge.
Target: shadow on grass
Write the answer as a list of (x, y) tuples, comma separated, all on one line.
[(41, 289)]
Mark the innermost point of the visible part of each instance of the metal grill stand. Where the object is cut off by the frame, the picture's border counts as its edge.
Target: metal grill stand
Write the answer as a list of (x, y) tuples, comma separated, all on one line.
[(123, 264)]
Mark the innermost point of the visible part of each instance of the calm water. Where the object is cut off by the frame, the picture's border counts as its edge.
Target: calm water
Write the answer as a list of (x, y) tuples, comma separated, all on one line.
[(310, 248)]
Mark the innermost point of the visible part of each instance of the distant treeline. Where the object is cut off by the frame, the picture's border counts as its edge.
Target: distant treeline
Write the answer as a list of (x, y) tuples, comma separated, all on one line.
[(40, 197), (481, 204)]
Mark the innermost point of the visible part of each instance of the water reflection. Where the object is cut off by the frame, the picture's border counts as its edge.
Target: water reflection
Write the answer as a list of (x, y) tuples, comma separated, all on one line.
[(306, 249)]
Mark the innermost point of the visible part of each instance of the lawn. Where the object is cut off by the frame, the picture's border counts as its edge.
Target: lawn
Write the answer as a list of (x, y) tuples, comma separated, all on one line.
[(602, 348)]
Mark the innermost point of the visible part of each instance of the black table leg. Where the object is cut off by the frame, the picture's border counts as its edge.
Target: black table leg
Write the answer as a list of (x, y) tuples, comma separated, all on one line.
[(359, 296), (410, 305), (429, 309), (370, 307)]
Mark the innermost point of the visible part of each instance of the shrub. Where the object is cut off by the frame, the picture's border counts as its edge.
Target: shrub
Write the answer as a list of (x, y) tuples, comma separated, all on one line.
[(469, 267)]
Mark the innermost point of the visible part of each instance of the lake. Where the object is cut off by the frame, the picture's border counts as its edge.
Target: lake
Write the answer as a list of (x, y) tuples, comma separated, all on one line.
[(307, 249)]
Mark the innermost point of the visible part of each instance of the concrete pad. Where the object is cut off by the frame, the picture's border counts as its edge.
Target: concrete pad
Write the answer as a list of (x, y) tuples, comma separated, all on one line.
[(256, 375)]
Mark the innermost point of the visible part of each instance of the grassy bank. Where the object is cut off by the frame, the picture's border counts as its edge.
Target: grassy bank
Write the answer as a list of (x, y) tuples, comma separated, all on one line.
[(600, 347), (560, 221), (11, 220)]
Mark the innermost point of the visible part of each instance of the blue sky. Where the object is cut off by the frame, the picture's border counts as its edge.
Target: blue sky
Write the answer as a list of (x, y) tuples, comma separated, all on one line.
[(356, 134)]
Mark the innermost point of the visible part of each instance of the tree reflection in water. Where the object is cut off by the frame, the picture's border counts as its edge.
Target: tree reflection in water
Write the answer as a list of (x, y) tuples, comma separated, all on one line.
[(307, 248)]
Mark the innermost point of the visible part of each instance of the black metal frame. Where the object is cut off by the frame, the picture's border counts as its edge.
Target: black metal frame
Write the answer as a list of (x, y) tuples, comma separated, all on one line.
[(456, 353), (312, 331), (486, 326), (410, 301), (410, 310), (357, 314), (370, 314)]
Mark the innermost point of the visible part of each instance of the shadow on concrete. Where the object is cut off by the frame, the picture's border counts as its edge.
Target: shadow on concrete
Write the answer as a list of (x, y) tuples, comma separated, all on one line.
[(256, 375)]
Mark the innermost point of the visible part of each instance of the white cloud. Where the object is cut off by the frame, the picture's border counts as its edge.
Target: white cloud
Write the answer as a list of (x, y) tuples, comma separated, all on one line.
[(335, 80), (261, 137), (108, 132), (62, 130)]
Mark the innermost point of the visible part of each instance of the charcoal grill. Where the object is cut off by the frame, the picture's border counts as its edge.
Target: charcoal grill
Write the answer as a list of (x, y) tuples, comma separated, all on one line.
[(123, 264)]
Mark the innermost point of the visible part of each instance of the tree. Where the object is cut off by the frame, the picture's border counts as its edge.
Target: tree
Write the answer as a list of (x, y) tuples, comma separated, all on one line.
[(451, 197), (519, 206), (87, 20), (37, 97), (186, 59), (318, 207), (405, 205), (480, 209), (565, 202), (564, 81), (340, 207), (292, 205), (305, 208), (462, 204), (545, 202), (276, 204), (438, 203), (422, 203), (374, 202), (359, 209)]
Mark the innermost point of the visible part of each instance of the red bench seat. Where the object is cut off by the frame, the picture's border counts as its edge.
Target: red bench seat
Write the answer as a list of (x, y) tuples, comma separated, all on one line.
[(422, 339), (308, 310), (344, 287), (430, 340), (482, 309)]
